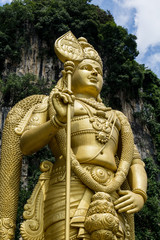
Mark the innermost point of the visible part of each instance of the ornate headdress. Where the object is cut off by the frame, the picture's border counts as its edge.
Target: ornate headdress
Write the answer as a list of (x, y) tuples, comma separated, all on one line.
[(69, 48)]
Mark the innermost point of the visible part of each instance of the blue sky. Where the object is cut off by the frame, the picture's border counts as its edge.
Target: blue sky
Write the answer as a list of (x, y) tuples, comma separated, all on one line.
[(140, 17)]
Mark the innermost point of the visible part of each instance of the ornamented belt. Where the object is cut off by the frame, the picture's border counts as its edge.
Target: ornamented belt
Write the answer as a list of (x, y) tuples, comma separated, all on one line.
[(98, 173)]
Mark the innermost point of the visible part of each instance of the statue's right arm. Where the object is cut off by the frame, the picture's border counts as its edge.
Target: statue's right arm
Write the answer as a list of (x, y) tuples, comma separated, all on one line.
[(37, 137)]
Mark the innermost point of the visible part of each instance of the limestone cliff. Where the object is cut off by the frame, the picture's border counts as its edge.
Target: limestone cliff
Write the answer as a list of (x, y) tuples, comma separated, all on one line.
[(34, 60)]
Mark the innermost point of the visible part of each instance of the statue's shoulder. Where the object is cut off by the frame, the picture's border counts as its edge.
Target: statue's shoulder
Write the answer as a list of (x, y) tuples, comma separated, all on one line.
[(121, 119), (121, 116), (21, 113), (119, 113)]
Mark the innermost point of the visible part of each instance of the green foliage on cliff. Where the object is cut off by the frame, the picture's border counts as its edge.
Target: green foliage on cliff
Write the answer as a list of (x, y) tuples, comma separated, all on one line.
[(151, 97), (48, 20), (148, 219), (14, 88)]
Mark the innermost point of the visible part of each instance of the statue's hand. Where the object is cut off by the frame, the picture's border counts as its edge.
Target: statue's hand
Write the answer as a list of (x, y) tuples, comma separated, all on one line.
[(129, 202), (60, 101)]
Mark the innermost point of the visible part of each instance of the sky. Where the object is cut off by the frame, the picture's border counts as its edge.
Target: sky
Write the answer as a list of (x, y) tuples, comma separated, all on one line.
[(141, 18)]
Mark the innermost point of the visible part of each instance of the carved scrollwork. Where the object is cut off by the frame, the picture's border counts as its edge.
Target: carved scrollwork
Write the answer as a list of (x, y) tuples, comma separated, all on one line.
[(32, 228), (67, 47), (102, 221), (6, 228)]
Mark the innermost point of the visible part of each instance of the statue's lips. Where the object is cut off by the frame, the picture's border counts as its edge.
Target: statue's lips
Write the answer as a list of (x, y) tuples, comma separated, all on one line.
[(94, 80)]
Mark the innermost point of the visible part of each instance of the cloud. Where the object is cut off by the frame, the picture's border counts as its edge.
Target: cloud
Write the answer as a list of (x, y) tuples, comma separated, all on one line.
[(121, 14), (142, 18), (153, 62), (146, 21)]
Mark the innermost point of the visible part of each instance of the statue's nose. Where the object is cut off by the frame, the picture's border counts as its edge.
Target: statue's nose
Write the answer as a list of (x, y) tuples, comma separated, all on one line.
[(94, 72)]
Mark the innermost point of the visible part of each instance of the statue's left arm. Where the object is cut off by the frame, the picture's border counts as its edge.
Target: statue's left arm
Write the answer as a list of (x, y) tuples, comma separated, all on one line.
[(132, 201)]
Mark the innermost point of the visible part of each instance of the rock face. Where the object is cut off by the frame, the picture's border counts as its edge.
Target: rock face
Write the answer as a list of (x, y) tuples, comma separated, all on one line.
[(34, 61), (142, 136)]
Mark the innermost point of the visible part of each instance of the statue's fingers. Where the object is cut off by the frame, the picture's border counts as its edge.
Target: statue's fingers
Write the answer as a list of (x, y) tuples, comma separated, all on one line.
[(123, 192), (73, 98), (127, 208), (122, 199), (64, 98), (54, 99), (133, 210), (68, 91), (67, 98), (123, 204)]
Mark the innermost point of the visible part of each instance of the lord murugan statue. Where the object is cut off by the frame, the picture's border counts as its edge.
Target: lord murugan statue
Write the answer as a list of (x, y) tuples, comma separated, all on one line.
[(97, 181)]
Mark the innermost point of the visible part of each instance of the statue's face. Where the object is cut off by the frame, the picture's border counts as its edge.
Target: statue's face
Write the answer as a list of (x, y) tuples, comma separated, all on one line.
[(87, 78)]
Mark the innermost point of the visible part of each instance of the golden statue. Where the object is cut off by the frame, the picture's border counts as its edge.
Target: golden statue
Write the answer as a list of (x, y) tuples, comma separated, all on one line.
[(98, 180)]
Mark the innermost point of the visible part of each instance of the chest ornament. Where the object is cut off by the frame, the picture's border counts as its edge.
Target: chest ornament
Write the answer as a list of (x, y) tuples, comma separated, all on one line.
[(103, 128), (102, 119)]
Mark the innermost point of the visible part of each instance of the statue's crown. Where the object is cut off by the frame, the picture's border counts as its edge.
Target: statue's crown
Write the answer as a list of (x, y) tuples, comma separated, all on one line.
[(68, 47), (89, 51)]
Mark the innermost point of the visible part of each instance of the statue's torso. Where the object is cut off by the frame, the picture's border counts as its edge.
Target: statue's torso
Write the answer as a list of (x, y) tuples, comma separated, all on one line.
[(87, 138)]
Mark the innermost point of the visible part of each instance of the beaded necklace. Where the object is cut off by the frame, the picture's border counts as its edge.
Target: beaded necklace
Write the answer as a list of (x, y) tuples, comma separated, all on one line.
[(93, 103), (103, 120)]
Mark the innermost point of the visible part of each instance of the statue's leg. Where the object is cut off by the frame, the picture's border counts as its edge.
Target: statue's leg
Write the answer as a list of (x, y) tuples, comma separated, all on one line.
[(54, 209), (57, 232)]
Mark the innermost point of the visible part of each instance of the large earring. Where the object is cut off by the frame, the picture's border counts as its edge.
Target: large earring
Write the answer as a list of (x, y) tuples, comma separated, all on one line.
[(99, 99)]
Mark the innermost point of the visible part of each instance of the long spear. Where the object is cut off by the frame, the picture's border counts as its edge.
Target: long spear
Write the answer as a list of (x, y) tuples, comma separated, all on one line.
[(68, 51), (68, 66)]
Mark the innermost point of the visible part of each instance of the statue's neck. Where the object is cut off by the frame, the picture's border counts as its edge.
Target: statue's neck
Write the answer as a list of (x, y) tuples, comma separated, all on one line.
[(85, 96)]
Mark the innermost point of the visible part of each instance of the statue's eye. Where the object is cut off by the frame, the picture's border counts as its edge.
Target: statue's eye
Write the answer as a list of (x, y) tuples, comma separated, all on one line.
[(99, 71), (86, 67)]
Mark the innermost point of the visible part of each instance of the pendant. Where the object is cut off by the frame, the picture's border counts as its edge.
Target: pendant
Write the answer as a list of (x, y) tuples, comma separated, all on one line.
[(102, 127), (102, 137)]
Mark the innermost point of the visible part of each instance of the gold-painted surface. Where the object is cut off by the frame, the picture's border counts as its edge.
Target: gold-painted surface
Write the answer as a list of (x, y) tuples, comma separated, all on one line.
[(68, 48), (33, 227), (7, 228), (106, 168), (69, 67), (102, 221), (11, 160)]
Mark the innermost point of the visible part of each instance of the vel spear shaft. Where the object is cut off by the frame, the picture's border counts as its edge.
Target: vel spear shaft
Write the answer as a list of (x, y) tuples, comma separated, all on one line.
[(68, 66)]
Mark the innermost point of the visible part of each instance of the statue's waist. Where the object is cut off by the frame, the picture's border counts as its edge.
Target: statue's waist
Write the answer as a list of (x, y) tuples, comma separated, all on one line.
[(98, 173), (97, 155)]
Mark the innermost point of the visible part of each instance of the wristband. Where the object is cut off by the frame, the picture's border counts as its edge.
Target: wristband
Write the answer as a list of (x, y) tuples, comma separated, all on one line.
[(140, 192), (56, 123)]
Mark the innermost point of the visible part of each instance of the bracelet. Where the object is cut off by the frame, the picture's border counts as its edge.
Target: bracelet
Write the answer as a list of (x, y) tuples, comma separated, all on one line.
[(140, 192), (56, 123)]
